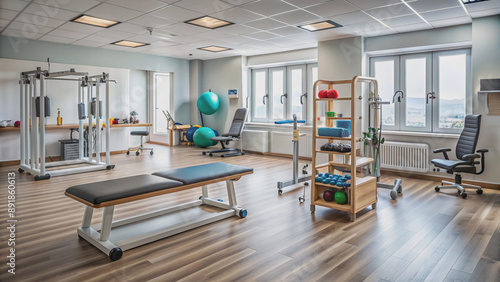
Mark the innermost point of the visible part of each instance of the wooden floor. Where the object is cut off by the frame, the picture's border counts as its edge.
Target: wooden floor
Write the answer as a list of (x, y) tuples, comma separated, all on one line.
[(423, 235)]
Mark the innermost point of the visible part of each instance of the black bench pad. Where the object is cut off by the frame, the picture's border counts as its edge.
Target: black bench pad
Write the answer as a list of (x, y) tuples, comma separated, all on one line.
[(115, 189), (200, 173), (140, 133)]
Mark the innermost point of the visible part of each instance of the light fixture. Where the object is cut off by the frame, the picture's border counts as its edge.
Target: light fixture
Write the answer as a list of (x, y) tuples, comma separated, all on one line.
[(84, 19), (472, 1), (320, 26), (208, 22), (128, 43), (214, 48)]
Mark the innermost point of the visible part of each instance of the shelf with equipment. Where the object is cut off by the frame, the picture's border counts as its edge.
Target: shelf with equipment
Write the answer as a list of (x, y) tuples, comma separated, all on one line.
[(361, 192)]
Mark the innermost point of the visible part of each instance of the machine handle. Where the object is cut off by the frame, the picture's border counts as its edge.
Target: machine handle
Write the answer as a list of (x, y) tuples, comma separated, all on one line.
[(301, 96), (430, 95), (264, 98), (281, 97)]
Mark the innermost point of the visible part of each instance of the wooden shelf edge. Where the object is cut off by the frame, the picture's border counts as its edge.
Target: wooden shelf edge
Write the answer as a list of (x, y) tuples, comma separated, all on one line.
[(332, 205)]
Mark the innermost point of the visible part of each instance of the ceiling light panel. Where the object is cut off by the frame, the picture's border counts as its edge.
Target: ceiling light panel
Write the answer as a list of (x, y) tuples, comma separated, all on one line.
[(320, 26), (209, 22), (94, 21), (127, 43), (214, 49)]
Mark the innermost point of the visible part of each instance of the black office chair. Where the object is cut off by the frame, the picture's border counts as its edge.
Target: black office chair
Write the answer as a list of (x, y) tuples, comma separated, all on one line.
[(234, 134), (466, 162)]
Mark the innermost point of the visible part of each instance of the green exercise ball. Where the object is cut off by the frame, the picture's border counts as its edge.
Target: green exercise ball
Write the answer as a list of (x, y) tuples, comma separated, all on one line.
[(202, 137), (208, 103), (340, 197)]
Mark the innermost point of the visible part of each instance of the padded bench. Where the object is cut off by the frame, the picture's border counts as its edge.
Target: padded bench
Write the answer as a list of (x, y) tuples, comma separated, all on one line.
[(113, 237)]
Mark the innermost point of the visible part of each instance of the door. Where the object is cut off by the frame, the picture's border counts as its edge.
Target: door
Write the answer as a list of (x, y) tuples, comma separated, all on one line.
[(161, 100)]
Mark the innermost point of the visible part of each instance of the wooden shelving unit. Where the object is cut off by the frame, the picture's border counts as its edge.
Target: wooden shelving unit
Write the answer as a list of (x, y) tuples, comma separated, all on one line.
[(363, 190)]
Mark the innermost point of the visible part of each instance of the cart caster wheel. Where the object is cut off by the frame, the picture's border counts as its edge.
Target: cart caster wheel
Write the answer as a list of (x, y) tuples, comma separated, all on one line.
[(437, 188), (115, 254), (301, 199), (280, 191), (128, 152), (243, 213), (20, 170), (137, 153), (42, 177), (464, 195), (394, 195), (242, 153), (220, 200), (479, 191), (110, 167), (210, 154), (200, 197), (151, 153), (459, 193), (203, 153), (222, 156)]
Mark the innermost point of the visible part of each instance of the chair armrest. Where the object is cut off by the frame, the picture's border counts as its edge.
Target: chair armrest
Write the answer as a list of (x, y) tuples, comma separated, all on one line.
[(443, 150), (482, 151), (470, 157)]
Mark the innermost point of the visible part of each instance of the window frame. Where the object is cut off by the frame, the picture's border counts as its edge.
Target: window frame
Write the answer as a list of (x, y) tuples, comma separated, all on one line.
[(432, 81), (307, 86)]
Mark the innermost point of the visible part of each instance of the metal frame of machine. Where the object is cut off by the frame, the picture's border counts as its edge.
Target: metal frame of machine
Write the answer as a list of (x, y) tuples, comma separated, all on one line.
[(33, 85)]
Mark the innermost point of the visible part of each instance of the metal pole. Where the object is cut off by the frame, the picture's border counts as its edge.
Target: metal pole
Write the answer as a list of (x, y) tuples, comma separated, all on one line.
[(42, 123), (22, 108), (108, 154), (33, 123), (98, 124), (80, 121), (295, 151), (90, 140)]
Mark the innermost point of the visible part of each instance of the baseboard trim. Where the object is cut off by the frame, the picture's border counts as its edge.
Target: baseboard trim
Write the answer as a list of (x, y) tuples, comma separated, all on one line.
[(439, 178), (158, 143), (289, 156)]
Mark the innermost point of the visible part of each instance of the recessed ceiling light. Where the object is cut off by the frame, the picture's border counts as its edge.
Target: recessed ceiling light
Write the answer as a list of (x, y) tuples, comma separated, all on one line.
[(320, 26), (128, 43), (209, 22), (214, 48), (84, 19), (472, 1)]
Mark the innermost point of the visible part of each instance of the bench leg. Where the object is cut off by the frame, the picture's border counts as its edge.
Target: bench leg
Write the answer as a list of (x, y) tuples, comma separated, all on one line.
[(107, 221), (87, 217), (230, 193), (204, 191)]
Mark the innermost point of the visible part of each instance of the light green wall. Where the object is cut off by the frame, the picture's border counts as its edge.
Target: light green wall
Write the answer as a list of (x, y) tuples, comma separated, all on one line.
[(412, 40), (486, 64), (219, 75), (34, 50)]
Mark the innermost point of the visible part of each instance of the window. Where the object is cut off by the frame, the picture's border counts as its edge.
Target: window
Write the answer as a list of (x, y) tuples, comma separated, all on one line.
[(436, 87), (280, 92)]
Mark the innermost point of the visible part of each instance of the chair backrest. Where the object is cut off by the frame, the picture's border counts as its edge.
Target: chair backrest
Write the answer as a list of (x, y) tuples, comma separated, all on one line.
[(238, 122), (468, 138)]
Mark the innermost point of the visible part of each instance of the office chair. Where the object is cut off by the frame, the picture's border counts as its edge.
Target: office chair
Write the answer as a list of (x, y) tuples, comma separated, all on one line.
[(234, 134), (141, 147), (466, 162)]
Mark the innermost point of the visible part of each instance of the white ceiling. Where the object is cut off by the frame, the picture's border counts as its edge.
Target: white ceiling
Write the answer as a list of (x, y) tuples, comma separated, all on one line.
[(261, 26)]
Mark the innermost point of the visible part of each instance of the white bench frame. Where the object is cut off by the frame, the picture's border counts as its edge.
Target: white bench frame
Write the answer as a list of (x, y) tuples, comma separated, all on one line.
[(101, 236)]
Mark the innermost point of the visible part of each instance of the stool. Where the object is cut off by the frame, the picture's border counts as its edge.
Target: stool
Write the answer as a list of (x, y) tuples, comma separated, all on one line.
[(140, 147)]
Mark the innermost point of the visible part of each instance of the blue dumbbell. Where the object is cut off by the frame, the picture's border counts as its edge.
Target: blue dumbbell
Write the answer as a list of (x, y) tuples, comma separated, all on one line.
[(347, 176), (333, 182), (327, 174), (326, 181), (319, 179), (340, 183), (320, 175), (347, 185)]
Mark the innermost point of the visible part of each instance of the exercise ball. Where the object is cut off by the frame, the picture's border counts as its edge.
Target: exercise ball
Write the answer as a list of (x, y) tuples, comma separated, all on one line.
[(328, 196), (202, 137), (340, 197), (208, 103), (190, 132)]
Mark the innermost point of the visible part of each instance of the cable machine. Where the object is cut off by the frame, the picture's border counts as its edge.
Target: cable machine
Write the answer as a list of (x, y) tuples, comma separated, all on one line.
[(35, 108)]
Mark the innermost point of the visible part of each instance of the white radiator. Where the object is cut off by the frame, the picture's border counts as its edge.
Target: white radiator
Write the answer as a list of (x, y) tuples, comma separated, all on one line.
[(405, 156), (255, 140)]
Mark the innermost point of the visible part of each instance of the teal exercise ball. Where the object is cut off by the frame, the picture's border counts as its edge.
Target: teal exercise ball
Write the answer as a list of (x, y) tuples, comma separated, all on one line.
[(202, 137), (208, 103)]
